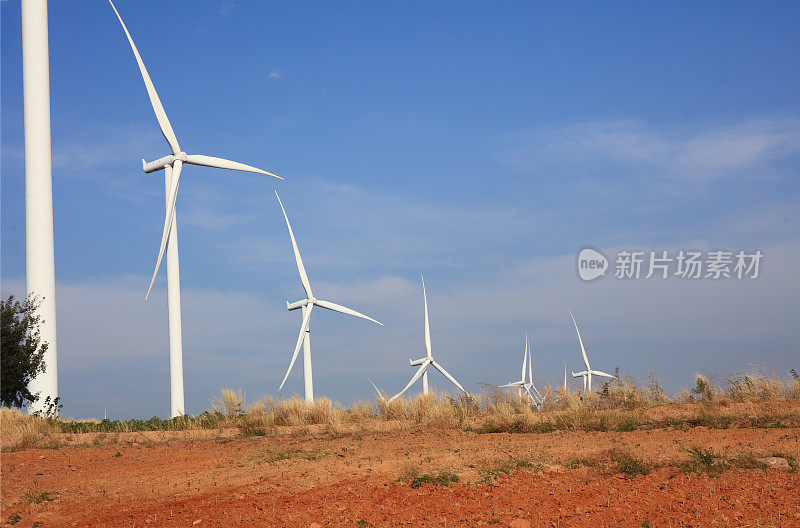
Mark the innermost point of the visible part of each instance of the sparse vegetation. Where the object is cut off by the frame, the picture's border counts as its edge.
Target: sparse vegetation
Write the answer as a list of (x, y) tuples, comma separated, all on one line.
[(442, 478), (40, 497), (408, 472), (628, 464), (488, 476), (620, 405)]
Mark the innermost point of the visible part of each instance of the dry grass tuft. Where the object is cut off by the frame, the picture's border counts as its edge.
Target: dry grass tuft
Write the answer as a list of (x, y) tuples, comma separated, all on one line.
[(22, 431), (229, 404)]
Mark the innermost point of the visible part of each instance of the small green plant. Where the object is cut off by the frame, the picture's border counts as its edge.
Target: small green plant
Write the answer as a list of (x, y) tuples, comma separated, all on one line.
[(118, 455), (792, 463), (443, 478), (408, 472), (488, 476), (362, 524), (629, 465), (645, 523), (725, 498), (703, 461), (703, 388), (38, 498), (14, 519), (37, 524)]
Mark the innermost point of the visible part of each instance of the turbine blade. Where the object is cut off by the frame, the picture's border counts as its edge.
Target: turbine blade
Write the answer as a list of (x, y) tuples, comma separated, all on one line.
[(168, 219), (300, 268), (161, 115), (583, 350), (343, 309), (380, 394), (512, 384), (413, 379), (441, 369), (300, 337), (603, 374), (530, 361), (525, 357), (220, 163), (529, 394), (427, 323)]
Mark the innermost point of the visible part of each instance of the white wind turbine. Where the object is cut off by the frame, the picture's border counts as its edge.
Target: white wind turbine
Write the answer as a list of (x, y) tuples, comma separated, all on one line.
[(520, 385), (428, 360), (172, 165), (539, 400), (306, 306), (588, 373), (523, 384)]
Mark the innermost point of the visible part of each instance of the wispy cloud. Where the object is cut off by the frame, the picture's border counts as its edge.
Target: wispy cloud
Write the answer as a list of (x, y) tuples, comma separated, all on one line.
[(703, 153), (275, 75)]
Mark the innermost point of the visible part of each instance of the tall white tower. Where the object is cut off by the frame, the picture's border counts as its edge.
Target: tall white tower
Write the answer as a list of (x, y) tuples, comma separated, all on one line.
[(40, 278)]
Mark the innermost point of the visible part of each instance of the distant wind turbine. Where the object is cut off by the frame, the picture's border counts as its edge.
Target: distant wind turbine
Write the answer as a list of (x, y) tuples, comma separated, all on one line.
[(428, 360), (523, 383), (306, 306), (539, 400), (172, 165), (588, 373)]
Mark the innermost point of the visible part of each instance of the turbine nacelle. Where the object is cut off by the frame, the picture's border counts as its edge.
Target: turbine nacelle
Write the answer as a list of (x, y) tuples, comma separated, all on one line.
[(417, 362), (299, 304), (162, 163)]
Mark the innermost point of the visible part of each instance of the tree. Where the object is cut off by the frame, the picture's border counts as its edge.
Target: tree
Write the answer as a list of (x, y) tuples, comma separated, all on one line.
[(22, 350)]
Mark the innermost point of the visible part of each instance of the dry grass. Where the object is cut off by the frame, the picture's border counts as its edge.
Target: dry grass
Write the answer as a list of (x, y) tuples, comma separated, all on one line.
[(229, 404), (21, 431), (757, 398)]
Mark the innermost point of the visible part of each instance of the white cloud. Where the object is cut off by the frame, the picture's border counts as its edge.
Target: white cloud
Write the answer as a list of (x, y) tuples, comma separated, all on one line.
[(275, 75), (703, 153)]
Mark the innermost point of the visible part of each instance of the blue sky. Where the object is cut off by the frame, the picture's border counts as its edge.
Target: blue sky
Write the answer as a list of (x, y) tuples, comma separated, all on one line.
[(482, 144)]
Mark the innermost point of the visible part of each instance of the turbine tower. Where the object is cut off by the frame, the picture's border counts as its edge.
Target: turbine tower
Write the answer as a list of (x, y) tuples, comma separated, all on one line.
[(172, 165), (588, 373), (40, 275), (428, 360), (306, 306)]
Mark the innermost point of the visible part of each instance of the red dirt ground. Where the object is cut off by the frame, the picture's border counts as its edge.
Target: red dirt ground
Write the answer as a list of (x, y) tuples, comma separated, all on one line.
[(351, 479)]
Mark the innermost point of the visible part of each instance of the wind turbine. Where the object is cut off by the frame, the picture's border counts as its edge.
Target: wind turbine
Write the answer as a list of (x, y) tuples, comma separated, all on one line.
[(428, 360), (172, 165), (523, 383), (306, 306), (529, 385), (588, 373)]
